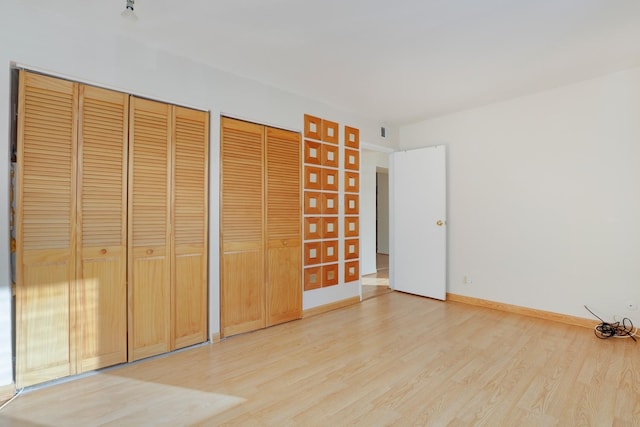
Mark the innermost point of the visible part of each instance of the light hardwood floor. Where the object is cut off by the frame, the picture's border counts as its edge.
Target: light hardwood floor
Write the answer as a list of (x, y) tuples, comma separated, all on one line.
[(396, 359)]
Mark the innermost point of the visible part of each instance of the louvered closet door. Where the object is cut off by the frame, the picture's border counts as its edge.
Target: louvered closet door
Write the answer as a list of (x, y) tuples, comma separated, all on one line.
[(149, 228), (102, 231), (190, 189), (242, 289), (45, 241), (284, 251)]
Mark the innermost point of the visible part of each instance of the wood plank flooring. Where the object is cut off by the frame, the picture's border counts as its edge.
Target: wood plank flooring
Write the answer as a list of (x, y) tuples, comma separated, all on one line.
[(395, 360)]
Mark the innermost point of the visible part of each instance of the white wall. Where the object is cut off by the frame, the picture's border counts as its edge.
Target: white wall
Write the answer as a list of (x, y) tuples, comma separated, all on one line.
[(544, 197), (84, 52)]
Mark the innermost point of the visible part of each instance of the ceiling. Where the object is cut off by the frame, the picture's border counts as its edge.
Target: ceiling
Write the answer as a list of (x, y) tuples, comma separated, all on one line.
[(393, 61)]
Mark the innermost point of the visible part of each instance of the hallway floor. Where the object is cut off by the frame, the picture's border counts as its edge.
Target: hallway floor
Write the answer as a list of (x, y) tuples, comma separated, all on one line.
[(377, 283)]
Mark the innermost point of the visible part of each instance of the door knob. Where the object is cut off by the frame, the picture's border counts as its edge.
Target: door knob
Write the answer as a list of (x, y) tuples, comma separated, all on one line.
[(440, 223)]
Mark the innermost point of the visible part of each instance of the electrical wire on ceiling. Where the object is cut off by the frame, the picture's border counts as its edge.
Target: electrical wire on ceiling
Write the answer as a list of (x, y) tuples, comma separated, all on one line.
[(128, 12)]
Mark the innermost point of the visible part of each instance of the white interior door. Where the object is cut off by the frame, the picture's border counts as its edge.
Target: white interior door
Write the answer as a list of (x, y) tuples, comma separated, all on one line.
[(418, 237)]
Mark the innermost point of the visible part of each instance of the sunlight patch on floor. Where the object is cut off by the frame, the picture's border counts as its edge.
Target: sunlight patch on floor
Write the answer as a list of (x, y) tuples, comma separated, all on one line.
[(374, 281), (124, 401)]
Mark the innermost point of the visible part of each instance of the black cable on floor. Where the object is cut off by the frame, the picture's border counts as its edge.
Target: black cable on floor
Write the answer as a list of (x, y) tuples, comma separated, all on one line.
[(606, 330)]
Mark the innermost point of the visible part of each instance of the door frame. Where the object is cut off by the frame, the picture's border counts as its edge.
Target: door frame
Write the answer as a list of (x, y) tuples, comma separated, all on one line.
[(366, 215)]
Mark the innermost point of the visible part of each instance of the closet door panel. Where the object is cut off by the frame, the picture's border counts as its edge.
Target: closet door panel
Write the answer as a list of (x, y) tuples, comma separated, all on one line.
[(149, 228), (190, 300), (102, 309), (243, 292), (284, 226), (150, 296), (190, 189), (102, 207), (284, 287), (45, 339), (45, 243), (242, 227)]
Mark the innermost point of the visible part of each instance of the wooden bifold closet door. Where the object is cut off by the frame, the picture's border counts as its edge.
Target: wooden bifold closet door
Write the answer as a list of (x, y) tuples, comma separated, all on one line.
[(71, 229), (45, 229), (168, 173), (149, 228), (102, 228), (242, 227), (283, 226), (190, 226), (111, 228), (260, 226)]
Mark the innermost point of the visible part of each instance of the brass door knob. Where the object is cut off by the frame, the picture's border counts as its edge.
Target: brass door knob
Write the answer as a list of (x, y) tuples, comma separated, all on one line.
[(440, 223)]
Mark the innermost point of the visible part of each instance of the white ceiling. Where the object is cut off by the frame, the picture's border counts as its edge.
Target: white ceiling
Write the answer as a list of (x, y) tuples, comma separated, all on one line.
[(394, 61)]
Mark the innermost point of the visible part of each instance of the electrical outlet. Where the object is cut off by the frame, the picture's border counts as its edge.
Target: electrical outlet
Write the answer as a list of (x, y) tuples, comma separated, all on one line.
[(467, 280)]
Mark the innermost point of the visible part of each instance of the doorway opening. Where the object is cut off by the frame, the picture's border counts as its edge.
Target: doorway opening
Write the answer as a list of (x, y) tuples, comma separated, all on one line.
[(377, 283)]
